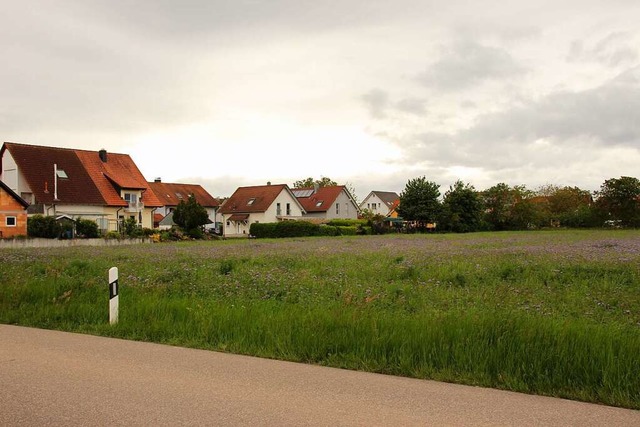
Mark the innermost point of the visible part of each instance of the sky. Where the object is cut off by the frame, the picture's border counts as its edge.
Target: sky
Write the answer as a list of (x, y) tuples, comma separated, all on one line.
[(370, 93)]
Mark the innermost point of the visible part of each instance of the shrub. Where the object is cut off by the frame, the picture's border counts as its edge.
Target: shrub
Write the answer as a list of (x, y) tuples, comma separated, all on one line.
[(347, 222), (43, 226), (87, 228), (348, 230), (112, 235)]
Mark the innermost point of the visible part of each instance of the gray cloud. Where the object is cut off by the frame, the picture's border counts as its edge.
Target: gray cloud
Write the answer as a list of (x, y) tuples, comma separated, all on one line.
[(615, 49), (466, 64), (564, 123), (377, 102), (412, 105)]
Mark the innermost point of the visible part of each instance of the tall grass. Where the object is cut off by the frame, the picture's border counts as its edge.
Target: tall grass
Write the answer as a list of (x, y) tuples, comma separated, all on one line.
[(545, 313)]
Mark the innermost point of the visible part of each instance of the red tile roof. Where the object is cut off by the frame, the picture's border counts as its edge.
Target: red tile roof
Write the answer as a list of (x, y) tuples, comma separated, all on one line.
[(170, 194), (13, 195), (321, 200), (90, 180), (252, 199)]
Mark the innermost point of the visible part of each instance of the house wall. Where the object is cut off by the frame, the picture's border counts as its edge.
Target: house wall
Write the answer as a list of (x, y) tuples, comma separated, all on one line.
[(375, 205), (235, 229), (9, 207), (14, 179), (348, 210), (106, 217)]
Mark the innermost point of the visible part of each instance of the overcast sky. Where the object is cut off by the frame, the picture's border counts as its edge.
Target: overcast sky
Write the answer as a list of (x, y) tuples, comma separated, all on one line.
[(241, 92)]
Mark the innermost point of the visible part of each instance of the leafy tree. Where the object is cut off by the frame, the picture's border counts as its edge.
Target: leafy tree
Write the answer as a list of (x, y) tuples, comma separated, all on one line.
[(511, 207), (498, 201), (461, 208), (572, 206), (190, 216), (130, 227), (419, 201), (310, 182), (618, 198)]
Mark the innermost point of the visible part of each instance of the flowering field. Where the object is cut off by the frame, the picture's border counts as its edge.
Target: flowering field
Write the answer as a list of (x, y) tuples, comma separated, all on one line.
[(554, 313)]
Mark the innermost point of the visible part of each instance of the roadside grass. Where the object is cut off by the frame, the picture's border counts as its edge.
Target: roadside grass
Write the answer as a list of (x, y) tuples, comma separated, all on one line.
[(552, 313)]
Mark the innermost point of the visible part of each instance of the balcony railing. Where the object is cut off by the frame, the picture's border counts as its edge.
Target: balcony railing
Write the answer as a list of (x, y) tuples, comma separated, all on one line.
[(135, 207)]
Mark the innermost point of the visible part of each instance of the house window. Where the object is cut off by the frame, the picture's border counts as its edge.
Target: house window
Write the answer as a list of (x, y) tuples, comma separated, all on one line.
[(11, 221), (337, 208), (346, 208), (278, 209), (131, 198), (288, 209)]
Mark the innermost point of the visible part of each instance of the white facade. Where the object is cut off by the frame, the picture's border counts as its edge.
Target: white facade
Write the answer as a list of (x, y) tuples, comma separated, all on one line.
[(343, 208), (375, 204), (284, 206), (14, 179)]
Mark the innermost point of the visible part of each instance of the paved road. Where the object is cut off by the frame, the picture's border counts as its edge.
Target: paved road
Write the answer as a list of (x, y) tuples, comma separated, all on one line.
[(57, 378)]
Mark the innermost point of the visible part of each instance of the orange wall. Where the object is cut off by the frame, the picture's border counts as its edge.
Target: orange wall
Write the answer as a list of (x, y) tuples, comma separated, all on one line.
[(10, 207)]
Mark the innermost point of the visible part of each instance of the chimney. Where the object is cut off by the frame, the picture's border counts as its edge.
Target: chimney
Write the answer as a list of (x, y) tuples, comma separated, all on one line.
[(103, 155), (268, 182), (158, 179)]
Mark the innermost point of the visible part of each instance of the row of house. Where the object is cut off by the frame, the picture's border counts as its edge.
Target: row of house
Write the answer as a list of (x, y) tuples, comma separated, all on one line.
[(109, 188)]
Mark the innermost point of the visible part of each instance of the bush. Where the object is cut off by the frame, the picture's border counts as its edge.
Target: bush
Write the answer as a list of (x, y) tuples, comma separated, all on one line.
[(87, 228), (284, 229), (112, 235), (347, 222), (348, 230), (43, 226)]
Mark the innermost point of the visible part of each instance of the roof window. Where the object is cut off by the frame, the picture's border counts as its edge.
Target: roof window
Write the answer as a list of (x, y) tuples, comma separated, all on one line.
[(319, 203), (251, 201), (61, 174)]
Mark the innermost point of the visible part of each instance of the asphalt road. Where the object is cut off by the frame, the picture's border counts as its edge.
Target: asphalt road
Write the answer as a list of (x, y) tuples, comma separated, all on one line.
[(58, 378)]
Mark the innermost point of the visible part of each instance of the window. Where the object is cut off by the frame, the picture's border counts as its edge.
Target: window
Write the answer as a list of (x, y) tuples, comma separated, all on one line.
[(319, 203), (278, 209), (61, 174), (346, 208), (11, 221), (251, 201), (288, 209), (337, 208), (131, 197)]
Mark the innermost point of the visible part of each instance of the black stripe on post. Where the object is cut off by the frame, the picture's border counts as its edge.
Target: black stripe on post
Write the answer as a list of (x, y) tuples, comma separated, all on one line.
[(113, 289)]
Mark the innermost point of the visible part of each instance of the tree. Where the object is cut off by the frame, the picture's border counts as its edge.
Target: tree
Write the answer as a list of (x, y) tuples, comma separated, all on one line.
[(419, 201), (618, 199), (572, 207), (190, 216), (511, 207), (310, 182), (461, 209)]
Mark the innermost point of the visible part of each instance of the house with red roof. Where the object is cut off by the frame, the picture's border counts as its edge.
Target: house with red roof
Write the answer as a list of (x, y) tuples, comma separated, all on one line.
[(105, 187), (263, 203), (171, 194), (13, 213), (331, 202)]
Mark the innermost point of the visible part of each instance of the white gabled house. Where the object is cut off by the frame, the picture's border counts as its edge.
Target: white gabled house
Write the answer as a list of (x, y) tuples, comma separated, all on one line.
[(331, 202), (380, 202), (105, 187), (262, 204)]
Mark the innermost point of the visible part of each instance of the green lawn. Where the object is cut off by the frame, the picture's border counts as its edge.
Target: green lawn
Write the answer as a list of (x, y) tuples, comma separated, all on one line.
[(554, 312)]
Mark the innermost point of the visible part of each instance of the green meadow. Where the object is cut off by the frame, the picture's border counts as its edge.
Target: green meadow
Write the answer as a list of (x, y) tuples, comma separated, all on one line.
[(554, 313)]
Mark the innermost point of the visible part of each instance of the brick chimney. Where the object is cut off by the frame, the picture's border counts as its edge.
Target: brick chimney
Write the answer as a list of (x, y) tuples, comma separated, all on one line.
[(103, 155)]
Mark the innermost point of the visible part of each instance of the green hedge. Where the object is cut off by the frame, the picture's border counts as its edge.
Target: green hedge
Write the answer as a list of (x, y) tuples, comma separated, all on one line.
[(298, 229), (347, 222)]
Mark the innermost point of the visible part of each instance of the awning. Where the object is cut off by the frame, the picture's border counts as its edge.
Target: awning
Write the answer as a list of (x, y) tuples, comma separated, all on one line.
[(239, 217)]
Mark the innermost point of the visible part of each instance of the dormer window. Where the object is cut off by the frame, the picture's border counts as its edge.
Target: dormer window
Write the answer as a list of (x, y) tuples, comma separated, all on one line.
[(251, 201)]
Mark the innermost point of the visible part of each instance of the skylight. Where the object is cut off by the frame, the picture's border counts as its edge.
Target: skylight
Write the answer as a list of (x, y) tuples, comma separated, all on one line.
[(179, 196), (319, 203), (250, 202), (61, 174)]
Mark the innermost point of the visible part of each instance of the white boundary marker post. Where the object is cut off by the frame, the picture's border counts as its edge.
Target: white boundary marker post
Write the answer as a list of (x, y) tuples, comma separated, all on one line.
[(113, 295)]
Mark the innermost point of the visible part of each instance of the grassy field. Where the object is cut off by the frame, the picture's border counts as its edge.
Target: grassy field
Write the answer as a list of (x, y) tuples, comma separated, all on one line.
[(554, 313)]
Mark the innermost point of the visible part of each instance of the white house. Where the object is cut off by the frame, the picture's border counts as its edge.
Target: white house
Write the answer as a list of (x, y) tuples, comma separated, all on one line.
[(105, 187), (330, 202), (380, 202), (264, 203)]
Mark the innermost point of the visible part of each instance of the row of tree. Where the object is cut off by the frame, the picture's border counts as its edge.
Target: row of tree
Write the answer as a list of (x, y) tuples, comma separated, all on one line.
[(502, 207)]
